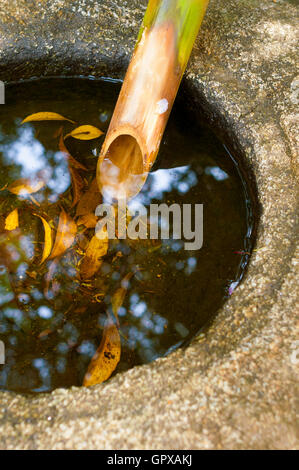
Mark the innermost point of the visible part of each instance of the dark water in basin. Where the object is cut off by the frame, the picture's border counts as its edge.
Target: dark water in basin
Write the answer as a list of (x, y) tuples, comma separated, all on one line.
[(51, 335)]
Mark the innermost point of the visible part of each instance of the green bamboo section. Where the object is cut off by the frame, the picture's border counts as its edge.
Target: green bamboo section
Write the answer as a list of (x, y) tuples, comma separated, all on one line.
[(159, 60), (185, 15)]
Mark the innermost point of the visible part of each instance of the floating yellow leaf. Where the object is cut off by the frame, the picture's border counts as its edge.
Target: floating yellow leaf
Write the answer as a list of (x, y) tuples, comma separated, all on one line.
[(46, 116), (48, 238), (106, 357), (25, 186), (12, 220), (97, 248), (90, 200), (65, 236), (89, 220), (85, 133), (72, 161)]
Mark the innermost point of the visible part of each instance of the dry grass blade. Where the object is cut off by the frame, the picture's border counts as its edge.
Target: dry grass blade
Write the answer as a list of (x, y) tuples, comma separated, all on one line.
[(46, 116), (65, 235), (97, 248), (106, 357)]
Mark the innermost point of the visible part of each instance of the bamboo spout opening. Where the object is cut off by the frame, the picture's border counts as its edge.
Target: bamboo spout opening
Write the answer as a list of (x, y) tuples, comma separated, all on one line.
[(125, 153), (121, 172)]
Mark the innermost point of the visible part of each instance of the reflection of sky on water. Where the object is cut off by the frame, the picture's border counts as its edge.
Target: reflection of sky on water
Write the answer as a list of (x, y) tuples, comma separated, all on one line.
[(216, 172), (33, 160), (180, 179), (25, 151), (160, 182)]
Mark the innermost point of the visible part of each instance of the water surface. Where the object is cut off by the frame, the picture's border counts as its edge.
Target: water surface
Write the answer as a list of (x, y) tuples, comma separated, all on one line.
[(51, 329)]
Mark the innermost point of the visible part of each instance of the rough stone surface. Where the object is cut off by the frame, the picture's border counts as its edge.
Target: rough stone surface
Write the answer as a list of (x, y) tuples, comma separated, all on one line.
[(235, 386)]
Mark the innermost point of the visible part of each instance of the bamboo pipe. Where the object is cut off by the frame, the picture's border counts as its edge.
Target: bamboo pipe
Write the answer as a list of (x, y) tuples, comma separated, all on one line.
[(151, 83)]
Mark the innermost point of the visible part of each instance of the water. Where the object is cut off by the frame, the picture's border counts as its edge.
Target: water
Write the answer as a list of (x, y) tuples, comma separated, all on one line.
[(52, 320)]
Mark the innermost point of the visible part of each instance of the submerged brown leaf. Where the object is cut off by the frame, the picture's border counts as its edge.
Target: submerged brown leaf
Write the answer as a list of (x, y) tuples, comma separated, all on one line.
[(12, 220), (90, 200), (58, 132), (119, 295), (88, 220), (72, 161), (86, 132), (48, 238), (106, 357), (65, 235), (82, 241), (97, 248), (46, 116), (25, 186), (50, 276), (77, 185)]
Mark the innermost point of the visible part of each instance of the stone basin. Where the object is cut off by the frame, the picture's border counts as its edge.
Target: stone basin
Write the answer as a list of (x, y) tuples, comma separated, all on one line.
[(235, 385)]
